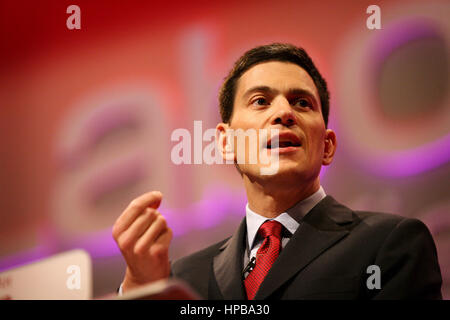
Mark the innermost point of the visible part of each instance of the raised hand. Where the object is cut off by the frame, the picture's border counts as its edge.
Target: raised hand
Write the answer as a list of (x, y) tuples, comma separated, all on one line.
[(143, 237)]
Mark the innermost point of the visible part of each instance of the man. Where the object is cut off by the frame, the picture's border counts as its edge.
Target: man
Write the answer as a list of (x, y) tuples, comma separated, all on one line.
[(295, 241)]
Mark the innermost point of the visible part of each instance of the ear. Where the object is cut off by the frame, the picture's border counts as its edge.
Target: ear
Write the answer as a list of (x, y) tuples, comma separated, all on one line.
[(330, 147), (225, 142)]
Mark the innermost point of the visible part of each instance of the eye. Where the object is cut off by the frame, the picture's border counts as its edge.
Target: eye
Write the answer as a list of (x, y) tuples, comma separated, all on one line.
[(260, 102), (302, 102)]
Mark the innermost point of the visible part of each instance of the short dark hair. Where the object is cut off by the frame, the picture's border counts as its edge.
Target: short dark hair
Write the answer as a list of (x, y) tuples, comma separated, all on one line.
[(273, 52)]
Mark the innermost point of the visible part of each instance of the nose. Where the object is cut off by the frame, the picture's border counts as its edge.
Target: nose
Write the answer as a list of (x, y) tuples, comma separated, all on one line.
[(284, 114)]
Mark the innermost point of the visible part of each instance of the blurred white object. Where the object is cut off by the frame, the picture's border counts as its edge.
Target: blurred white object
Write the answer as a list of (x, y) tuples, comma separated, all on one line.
[(65, 276)]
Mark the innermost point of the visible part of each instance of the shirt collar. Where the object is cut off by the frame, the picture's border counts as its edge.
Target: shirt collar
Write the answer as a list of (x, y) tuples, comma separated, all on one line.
[(289, 219)]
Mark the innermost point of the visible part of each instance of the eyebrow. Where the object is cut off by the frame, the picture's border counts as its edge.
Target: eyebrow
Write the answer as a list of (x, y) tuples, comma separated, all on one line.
[(267, 89)]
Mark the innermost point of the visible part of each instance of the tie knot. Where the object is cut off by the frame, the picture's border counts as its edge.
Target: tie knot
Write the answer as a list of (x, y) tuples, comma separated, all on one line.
[(270, 228)]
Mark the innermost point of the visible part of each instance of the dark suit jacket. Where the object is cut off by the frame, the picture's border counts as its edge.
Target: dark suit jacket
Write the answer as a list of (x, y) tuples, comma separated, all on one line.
[(326, 258)]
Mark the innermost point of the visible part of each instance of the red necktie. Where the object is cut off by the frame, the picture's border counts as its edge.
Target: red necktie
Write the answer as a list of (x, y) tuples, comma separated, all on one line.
[(265, 256)]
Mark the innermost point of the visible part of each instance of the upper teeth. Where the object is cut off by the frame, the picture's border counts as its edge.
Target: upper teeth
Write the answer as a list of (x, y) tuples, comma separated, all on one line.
[(283, 144)]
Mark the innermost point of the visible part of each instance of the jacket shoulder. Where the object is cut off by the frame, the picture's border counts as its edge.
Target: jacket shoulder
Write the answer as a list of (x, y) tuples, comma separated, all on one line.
[(195, 269), (389, 221), (372, 224), (197, 260)]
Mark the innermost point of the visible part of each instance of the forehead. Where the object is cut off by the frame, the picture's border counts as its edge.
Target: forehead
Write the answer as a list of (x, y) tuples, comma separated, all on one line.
[(278, 75)]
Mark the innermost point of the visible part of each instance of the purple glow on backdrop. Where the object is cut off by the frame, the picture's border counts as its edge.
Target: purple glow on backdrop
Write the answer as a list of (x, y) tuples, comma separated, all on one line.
[(25, 257), (399, 34), (422, 158), (413, 161), (99, 244)]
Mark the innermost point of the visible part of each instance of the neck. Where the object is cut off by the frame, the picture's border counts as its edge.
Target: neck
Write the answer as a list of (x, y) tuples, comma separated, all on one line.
[(270, 200)]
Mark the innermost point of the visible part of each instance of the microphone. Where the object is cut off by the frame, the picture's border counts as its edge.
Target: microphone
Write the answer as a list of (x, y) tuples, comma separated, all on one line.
[(250, 265)]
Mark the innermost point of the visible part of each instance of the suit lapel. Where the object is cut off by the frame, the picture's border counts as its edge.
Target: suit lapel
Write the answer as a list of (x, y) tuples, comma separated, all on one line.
[(227, 265), (321, 228)]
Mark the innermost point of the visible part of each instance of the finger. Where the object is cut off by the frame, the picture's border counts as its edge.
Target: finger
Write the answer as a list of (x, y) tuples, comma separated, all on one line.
[(165, 237), (160, 248), (137, 228), (150, 199), (151, 234)]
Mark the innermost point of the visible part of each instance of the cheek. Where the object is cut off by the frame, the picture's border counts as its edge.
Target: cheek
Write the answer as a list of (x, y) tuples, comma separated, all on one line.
[(316, 141)]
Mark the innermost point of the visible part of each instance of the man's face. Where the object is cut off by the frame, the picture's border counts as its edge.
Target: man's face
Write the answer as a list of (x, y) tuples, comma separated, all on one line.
[(282, 95)]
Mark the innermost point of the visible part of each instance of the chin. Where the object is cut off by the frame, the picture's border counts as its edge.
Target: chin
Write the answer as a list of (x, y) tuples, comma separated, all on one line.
[(285, 173)]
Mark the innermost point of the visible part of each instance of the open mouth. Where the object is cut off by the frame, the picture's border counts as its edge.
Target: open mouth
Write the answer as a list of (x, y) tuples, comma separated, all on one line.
[(286, 141), (285, 144)]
